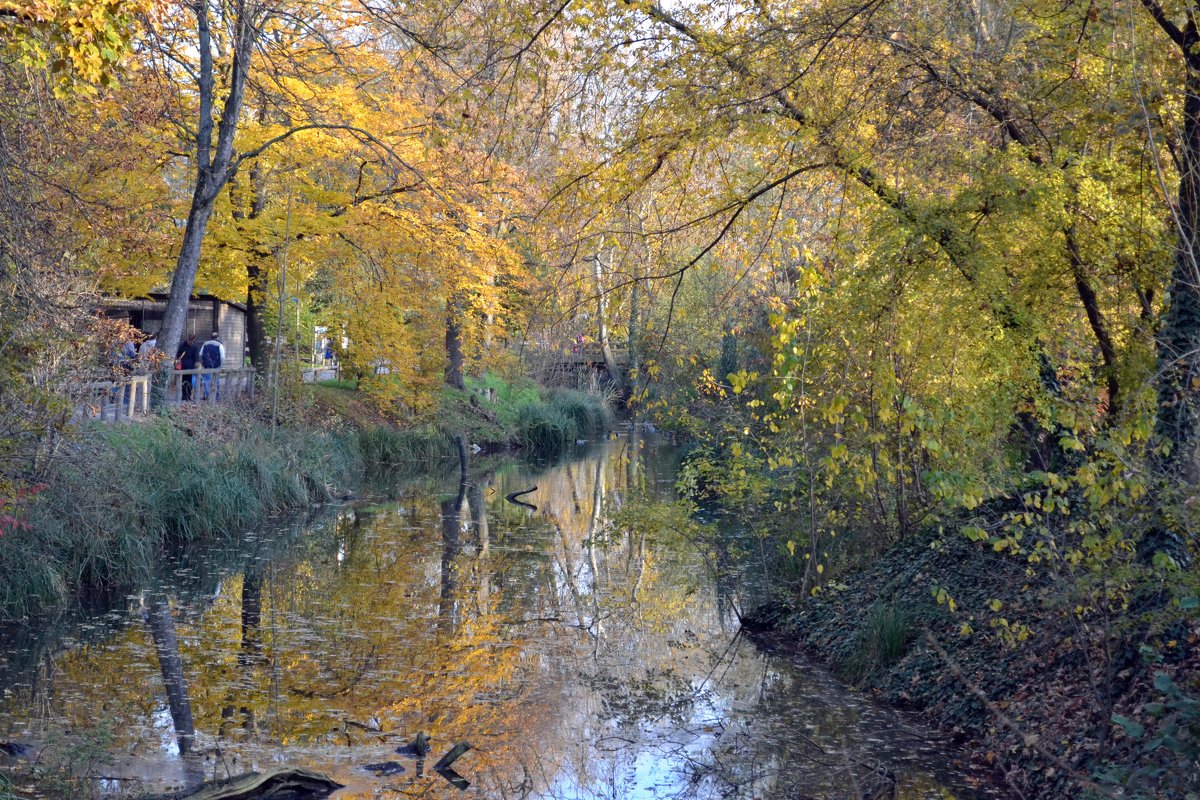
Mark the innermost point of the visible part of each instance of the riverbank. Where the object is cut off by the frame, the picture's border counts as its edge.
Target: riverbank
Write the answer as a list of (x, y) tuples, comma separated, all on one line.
[(1055, 707), (112, 498), (494, 414)]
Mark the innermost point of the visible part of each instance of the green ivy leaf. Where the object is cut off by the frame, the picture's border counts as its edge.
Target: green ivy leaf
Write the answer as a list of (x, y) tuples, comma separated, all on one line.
[(1133, 729)]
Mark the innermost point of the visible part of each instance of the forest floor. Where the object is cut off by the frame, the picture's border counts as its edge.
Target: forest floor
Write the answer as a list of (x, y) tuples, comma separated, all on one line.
[(1042, 708)]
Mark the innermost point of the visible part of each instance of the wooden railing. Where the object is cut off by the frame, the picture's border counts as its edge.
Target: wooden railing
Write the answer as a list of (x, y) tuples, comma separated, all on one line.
[(226, 384), (122, 398), (115, 399), (591, 354)]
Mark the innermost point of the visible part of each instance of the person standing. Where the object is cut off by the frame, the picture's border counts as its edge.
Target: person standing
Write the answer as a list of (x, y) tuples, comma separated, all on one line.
[(147, 354), (185, 358), (212, 356), (124, 357)]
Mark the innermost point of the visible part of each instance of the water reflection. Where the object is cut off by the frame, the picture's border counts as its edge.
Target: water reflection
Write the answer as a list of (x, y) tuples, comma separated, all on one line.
[(580, 659)]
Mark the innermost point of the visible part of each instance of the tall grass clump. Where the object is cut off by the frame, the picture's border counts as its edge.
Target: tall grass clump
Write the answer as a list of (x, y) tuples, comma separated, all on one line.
[(388, 447), (121, 494), (589, 411), (882, 640), (544, 430)]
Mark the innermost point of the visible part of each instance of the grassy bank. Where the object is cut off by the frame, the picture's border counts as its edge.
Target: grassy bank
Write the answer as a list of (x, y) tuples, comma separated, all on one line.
[(116, 496), (492, 413)]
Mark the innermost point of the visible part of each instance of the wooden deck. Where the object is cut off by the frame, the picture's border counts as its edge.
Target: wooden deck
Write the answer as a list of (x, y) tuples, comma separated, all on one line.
[(591, 356)]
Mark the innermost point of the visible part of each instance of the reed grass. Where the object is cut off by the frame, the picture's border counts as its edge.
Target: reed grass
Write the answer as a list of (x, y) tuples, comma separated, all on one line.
[(124, 493), (390, 447), (546, 428), (882, 640)]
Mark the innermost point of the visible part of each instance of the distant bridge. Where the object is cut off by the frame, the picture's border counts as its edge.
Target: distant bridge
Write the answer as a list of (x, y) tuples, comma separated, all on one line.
[(592, 356)]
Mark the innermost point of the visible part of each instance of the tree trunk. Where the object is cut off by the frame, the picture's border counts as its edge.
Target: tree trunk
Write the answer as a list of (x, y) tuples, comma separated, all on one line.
[(610, 364), (256, 280), (256, 333), (1179, 340), (729, 356), (184, 277), (214, 165), (454, 344)]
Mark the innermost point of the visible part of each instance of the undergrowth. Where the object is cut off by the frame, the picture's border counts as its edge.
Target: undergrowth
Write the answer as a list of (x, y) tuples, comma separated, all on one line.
[(339, 383)]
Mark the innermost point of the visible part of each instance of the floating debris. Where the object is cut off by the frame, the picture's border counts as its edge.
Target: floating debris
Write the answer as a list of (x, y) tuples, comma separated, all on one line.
[(385, 768)]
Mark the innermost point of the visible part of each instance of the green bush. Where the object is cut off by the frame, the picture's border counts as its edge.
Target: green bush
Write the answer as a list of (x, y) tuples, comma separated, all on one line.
[(520, 414)]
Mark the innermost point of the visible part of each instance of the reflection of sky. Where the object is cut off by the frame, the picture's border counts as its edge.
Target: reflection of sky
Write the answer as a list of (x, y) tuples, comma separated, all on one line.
[(623, 682), (166, 731), (651, 761)]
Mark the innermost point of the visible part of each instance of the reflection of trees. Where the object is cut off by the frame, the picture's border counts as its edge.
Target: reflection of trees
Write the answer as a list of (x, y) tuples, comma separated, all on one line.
[(635, 474), (166, 646), (452, 513), (249, 655), (657, 693), (477, 499), (437, 614)]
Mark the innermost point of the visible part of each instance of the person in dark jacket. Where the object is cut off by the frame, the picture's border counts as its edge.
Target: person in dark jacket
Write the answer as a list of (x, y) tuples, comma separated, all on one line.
[(212, 356), (188, 357)]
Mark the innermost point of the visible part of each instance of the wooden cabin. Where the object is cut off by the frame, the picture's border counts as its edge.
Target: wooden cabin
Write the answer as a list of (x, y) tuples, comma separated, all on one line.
[(206, 313)]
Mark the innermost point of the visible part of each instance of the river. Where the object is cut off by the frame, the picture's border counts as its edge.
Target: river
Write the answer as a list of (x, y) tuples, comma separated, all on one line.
[(583, 648)]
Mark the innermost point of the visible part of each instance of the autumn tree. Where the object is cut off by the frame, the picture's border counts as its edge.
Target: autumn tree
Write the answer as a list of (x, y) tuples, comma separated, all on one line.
[(58, 59)]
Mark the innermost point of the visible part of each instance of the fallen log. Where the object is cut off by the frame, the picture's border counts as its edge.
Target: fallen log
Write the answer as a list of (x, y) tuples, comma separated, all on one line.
[(512, 498), (454, 779), (453, 755), (289, 783)]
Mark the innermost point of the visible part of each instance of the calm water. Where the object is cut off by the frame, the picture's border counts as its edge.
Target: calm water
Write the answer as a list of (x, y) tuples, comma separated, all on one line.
[(580, 657)]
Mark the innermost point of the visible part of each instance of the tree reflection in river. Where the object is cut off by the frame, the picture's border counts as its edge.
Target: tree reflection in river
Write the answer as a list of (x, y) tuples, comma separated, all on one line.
[(166, 648), (580, 654)]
